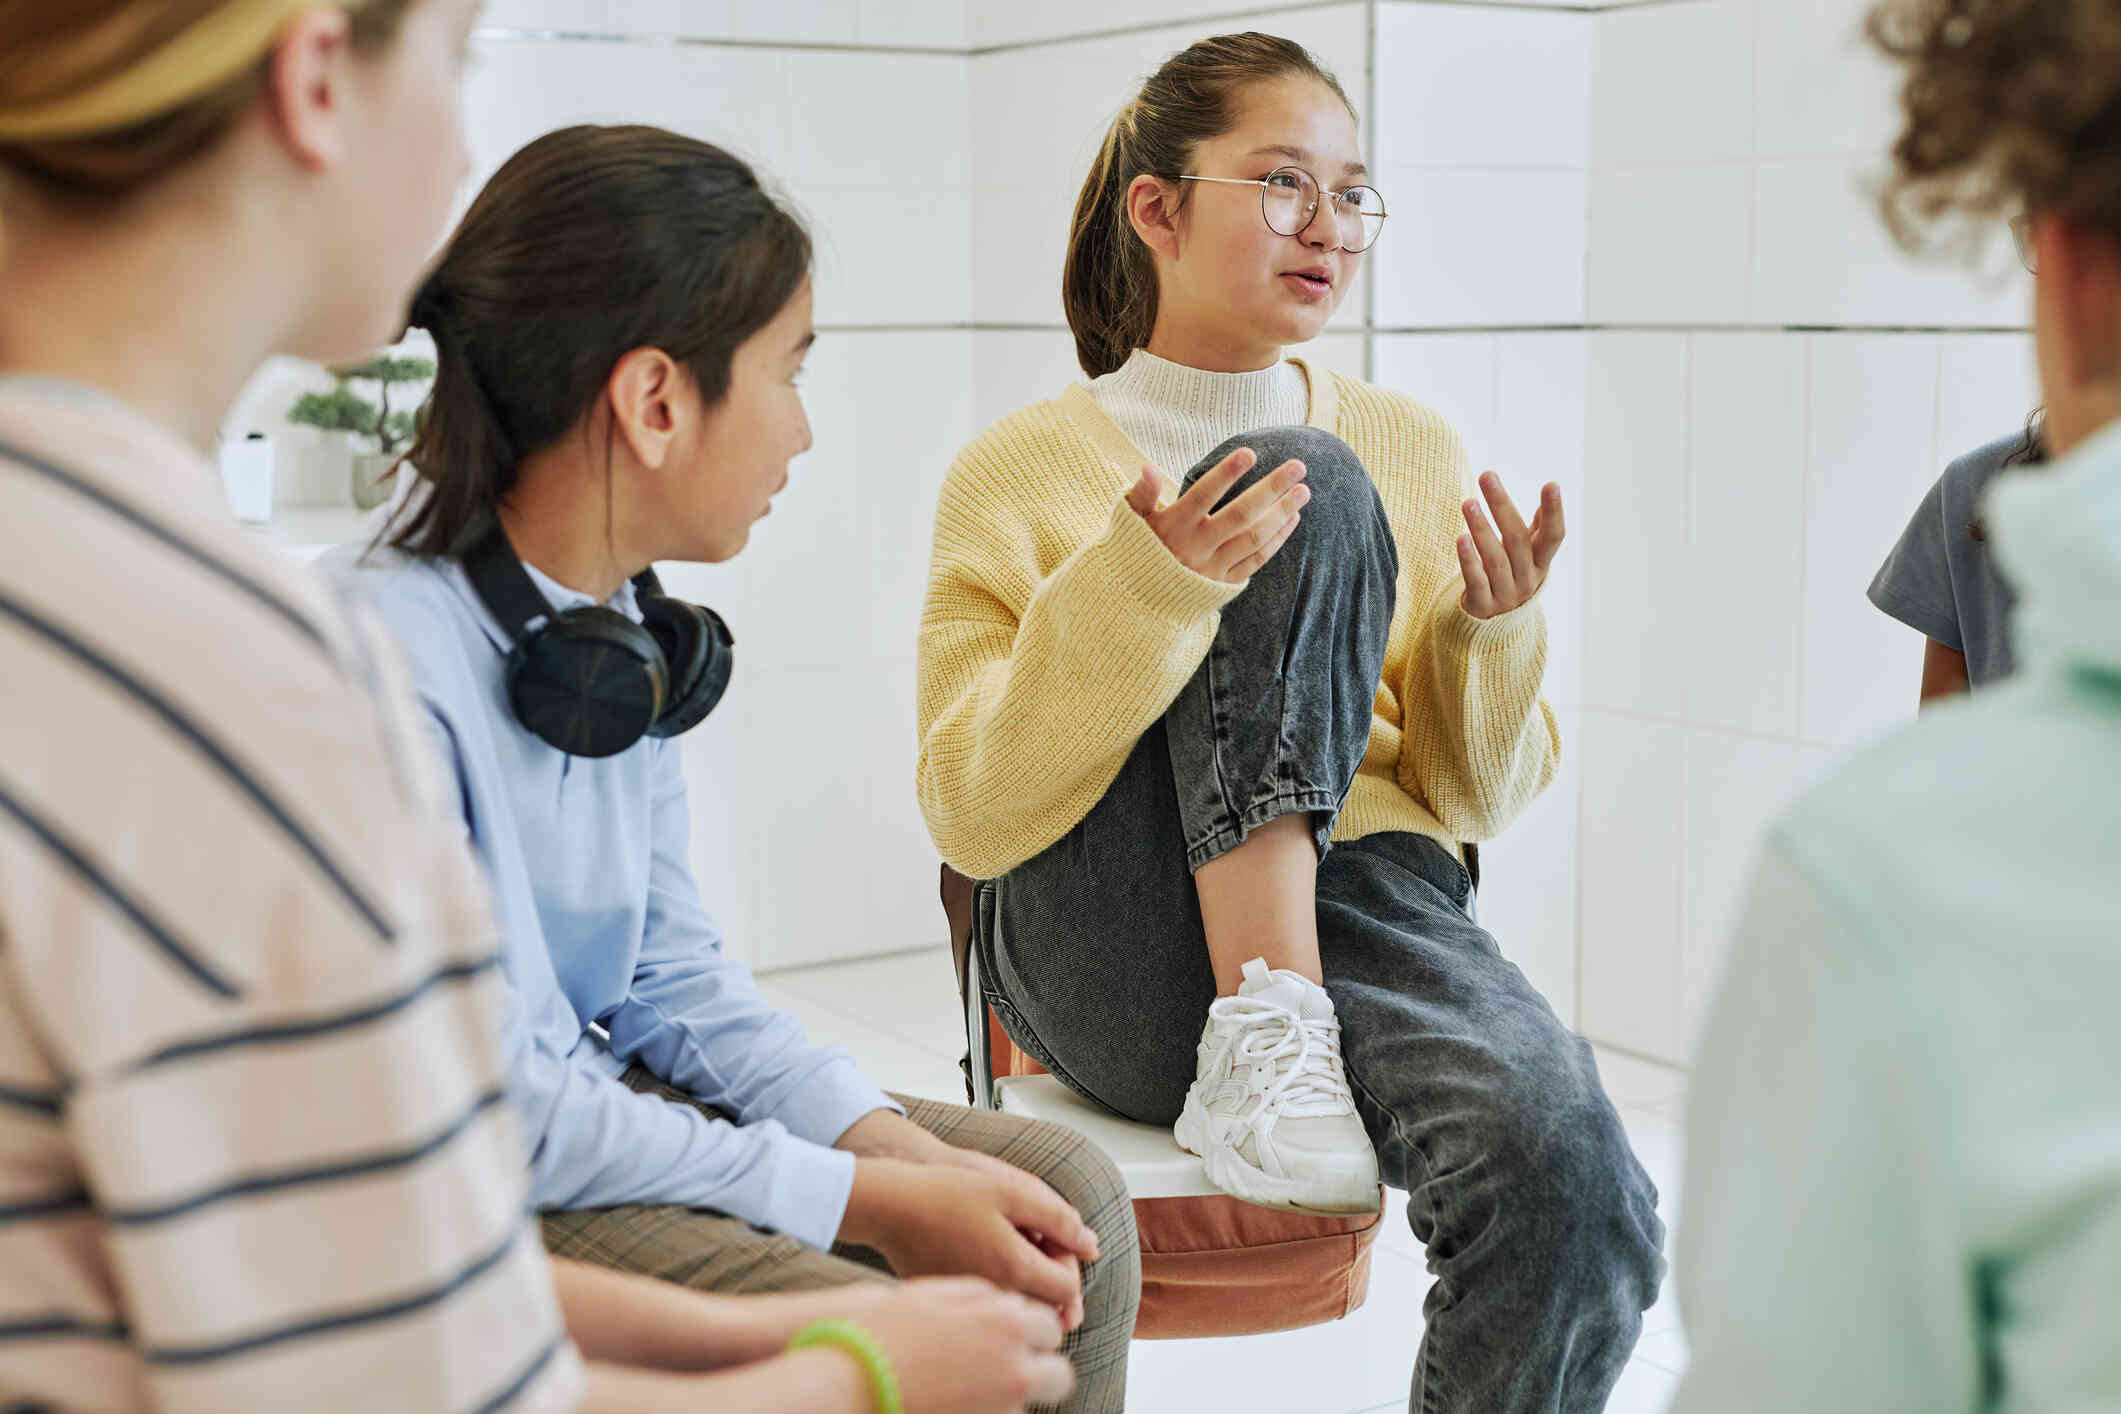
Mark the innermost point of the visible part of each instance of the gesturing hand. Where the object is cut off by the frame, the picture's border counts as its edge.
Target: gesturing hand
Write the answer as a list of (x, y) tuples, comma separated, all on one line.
[(1231, 543), (1503, 571)]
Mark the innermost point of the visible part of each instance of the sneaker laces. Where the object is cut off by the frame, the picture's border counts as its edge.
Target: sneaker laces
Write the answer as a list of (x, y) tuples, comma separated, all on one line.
[(1303, 1056)]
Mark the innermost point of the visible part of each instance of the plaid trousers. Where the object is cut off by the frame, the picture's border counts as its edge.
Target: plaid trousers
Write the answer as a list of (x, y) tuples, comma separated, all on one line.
[(712, 1251)]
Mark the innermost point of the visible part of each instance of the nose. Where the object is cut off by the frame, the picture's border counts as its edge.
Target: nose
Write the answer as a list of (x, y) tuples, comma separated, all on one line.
[(1322, 232)]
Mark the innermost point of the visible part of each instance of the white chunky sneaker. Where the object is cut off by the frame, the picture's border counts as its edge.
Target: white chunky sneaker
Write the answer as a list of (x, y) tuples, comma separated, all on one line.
[(1269, 1112)]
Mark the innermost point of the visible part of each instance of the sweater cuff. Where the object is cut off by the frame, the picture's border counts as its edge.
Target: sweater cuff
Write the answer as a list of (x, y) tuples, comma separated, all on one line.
[(1139, 561), (1465, 637)]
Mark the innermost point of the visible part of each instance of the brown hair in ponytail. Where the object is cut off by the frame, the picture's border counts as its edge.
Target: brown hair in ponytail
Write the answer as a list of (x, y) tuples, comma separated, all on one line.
[(1108, 283), (588, 244)]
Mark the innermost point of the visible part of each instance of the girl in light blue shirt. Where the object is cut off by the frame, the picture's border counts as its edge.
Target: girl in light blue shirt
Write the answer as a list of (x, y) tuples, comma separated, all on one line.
[(619, 325)]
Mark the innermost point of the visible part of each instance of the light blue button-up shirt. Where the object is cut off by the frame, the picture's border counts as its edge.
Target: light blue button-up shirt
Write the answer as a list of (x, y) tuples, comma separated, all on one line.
[(603, 925)]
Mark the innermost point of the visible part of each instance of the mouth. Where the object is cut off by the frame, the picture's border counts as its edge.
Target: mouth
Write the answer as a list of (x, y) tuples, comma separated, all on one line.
[(1312, 279)]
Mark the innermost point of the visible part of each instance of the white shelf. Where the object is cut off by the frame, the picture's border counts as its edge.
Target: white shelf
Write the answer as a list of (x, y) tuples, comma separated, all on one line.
[(308, 531)]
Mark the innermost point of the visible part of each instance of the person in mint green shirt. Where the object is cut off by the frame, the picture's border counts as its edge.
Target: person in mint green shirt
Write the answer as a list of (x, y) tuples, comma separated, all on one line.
[(1903, 1183)]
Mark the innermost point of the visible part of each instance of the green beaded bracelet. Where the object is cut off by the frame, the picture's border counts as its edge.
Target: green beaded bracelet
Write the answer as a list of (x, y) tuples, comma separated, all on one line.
[(883, 1380)]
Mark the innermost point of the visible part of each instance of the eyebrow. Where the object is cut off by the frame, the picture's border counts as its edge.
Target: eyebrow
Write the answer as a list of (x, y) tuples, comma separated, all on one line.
[(1352, 169)]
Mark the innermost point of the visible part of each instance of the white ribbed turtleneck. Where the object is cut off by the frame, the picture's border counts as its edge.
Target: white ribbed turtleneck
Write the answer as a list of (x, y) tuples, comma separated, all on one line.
[(1177, 415)]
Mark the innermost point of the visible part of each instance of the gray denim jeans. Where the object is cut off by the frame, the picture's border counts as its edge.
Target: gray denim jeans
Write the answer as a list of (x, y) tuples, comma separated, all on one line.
[(1541, 1227)]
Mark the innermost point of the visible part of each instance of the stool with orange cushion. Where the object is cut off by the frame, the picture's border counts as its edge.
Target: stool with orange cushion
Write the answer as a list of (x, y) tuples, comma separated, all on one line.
[(1211, 1265)]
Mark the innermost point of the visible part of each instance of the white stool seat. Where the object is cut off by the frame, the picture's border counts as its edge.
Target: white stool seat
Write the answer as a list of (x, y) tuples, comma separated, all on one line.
[(1149, 1159)]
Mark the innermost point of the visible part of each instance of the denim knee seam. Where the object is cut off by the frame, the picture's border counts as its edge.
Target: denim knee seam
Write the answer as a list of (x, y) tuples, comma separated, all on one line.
[(1288, 802)]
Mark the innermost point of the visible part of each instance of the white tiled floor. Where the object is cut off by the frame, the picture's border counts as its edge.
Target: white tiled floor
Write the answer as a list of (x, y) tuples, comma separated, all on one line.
[(899, 1016)]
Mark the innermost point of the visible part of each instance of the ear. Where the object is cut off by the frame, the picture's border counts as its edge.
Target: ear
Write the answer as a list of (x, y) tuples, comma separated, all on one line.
[(1152, 209), (308, 87), (646, 387)]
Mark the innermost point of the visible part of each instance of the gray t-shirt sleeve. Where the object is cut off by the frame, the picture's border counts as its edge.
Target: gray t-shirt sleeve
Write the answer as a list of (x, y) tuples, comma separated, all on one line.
[(1914, 585), (1941, 580)]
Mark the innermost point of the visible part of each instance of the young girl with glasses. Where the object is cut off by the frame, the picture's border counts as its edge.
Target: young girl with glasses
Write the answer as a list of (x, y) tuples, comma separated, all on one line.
[(1221, 669)]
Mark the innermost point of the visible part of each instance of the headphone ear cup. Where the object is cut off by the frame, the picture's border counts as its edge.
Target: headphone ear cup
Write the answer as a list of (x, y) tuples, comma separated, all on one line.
[(591, 683), (697, 645)]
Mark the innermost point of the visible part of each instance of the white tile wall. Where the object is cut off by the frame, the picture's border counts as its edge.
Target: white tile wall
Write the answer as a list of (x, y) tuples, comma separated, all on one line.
[(1670, 244), (521, 88), (804, 21), (1453, 374), (879, 120), (1015, 23), (1873, 453), (923, 24), (1756, 480), (919, 22), (1734, 787), (807, 773), (1823, 258), (1673, 83), (1542, 384), (1482, 134), (891, 257), (1528, 881), (1468, 246), (1012, 368), (1757, 476), (1822, 90), (1635, 524), (1987, 385), (1743, 567), (1481, 86), (1633, 845)]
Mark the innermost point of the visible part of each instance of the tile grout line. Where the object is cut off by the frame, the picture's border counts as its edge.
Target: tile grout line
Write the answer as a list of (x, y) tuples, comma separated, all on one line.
[(1365, 330), (668, 39)]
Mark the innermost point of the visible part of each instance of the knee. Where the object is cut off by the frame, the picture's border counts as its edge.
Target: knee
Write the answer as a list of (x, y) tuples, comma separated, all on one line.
[(1339, 483), (1085, 1176), (1087, 1179), (1586, 1209)]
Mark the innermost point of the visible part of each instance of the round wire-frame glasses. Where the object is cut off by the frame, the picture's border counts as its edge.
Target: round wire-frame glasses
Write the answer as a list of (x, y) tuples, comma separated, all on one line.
[(2022, 236), (1289, 200)]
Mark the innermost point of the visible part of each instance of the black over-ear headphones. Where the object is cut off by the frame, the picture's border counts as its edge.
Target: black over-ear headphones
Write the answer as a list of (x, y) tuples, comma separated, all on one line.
[(591, 681)]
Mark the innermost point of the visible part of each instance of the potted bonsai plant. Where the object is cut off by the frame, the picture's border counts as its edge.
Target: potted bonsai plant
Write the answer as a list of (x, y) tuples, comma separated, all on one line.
[(379, 433)]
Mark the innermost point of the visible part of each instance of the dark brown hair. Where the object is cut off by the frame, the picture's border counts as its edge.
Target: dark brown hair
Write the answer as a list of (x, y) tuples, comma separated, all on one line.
[(588, 244), (1108, 283), (2009, 106), (51, 52)]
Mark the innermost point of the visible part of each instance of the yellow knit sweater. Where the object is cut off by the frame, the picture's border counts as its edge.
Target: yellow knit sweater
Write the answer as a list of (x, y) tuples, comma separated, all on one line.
[(1058, 628)]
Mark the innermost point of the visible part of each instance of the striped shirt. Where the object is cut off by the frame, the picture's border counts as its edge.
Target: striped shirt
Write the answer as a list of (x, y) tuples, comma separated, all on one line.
[(254, 1153)]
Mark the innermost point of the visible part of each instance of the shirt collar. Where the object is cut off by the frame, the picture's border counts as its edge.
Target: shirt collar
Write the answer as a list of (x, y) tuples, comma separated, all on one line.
[(559, 596)]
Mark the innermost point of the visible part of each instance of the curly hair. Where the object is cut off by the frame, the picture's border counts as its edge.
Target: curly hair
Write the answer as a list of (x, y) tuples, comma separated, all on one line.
[(2009, 107)]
